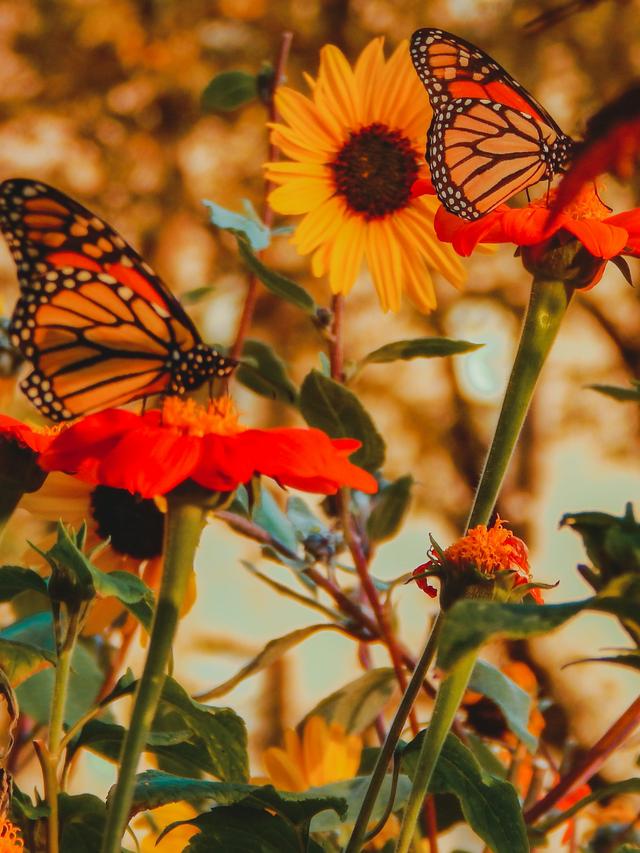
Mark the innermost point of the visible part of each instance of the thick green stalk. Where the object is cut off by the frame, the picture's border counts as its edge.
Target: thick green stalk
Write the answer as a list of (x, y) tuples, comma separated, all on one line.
[(184, 523), (393, 736), (547, 306)]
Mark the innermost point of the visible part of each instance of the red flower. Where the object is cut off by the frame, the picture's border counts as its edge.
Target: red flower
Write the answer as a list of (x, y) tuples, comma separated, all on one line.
[(35, 438), (586, 218), (152, 453), (483, 550)]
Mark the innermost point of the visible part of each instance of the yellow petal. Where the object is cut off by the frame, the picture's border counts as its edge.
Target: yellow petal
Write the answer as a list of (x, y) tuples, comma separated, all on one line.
[(368, 74), (347, 254), (315, 740), (334, 93), (319, 226), (419, 285), (281, 171), (320, 259), (302, 116), (300, 195), (385, 264), (289, 142), (418, 219), (60, 494), (282, 771)]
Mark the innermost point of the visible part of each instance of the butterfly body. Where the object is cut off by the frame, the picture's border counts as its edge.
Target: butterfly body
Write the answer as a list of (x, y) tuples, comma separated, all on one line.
[(489, 138), (99, 327)]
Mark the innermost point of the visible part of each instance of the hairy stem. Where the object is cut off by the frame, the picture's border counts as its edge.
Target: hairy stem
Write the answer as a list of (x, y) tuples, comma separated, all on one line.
[(185, 518)]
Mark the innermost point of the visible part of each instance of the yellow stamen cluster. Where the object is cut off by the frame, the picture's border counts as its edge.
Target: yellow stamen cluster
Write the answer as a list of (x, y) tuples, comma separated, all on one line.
[(586, 204), (489, 549), (10, 838), (219, 417)]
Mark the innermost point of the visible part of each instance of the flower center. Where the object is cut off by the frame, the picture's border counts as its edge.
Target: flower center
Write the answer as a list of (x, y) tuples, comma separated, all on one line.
[(586, 205), (490, 549), (219, 417), (375, 170), (135, 525)]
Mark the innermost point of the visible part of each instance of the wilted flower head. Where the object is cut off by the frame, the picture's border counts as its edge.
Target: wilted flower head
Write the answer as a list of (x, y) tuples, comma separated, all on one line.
[(474, 564)]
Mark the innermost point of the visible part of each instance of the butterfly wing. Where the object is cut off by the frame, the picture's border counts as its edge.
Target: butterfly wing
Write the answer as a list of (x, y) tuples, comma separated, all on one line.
[(98, 325), (482, 154), (490, 138)]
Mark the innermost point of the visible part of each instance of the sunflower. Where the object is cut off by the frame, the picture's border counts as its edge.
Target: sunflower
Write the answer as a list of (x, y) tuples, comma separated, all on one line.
[(356, 148)]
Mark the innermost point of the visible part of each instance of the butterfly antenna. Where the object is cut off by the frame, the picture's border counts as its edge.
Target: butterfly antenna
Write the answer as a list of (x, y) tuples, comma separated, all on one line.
[(144, 405)]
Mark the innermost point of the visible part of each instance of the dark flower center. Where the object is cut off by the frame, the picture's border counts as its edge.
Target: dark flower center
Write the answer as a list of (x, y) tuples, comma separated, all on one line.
[(135, 525), (375, 171)]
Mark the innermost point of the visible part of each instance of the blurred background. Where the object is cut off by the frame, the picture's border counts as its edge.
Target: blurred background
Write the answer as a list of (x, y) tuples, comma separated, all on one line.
[(101, 98)]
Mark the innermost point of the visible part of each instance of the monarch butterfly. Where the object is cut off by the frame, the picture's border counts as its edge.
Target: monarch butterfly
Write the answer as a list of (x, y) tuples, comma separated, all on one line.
[(489, 138), (98, 326)]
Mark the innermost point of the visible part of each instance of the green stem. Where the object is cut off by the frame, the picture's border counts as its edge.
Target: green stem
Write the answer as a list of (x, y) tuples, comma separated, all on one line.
[(547, 306), (393, 736), (51, 756), (184, 523)]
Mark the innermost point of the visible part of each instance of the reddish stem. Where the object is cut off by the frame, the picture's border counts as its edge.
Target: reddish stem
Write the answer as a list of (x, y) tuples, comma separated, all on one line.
[(336, 353), (590, 763), (267, 213)]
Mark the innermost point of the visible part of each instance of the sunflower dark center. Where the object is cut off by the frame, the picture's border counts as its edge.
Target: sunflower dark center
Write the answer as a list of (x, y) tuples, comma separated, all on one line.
[(135, 525), (375, 170)]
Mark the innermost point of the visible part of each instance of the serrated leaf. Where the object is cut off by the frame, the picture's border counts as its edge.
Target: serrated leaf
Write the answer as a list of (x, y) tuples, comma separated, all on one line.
[(256, 232), (272, 652), (155, 788), (353, 791), (106, 739), (471, 623), (356, 705), (264, 372), (418, 348), (390, 506), (228, 91), (331, 407), (275, 282), (513, 701), (16, 579), (490, 805), (218, 732)]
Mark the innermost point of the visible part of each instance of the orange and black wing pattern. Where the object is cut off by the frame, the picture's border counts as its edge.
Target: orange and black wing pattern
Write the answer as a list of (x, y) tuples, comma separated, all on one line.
[(489, 138), (98, 326)]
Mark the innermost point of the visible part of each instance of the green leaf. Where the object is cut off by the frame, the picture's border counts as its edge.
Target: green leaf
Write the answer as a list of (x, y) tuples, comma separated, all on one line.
[(272, 652), (16, 579), (331, 407), (106, 739), (390, 506), (513, 701), (244, 830), (623, 394), (356, 705), (264, 372), (353, 791), (155, 788), (490, 805), (275, 282), (218, 732), (228, 91), (22, 807), (270, 517), (471, 623), (418, 348), (303, 520), (82, 820), (487, 759), (256, 232)]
